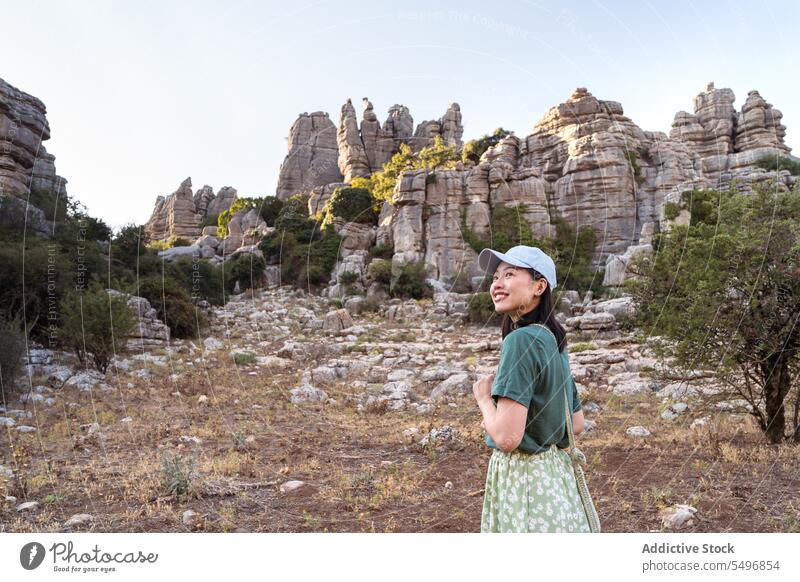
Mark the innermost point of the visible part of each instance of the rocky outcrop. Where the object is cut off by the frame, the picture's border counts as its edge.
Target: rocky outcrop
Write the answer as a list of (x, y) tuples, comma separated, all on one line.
[(727, 144), (24, 162), (353, 160), (181, 213), (313, 155)]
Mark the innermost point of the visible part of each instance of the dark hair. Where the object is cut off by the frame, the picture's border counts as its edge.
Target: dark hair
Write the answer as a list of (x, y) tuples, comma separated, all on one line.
[(544, 314)]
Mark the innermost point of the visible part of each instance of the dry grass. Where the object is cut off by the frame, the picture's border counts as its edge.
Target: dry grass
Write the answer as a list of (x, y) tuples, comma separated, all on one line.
[(366, 475)]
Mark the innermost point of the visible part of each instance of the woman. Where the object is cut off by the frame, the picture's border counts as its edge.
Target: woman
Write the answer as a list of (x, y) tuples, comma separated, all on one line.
[(530, 484)]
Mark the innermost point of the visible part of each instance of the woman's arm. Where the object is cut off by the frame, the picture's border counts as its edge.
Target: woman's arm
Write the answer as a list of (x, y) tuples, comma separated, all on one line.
[(577, 422), (504, 423)]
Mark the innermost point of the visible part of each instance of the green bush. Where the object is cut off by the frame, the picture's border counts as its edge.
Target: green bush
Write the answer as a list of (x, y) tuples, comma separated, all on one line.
[(381, 271), (54, 206), (97, 323), (178, 474), (12, 350), (778, 163), (247, 269), (270, 208), (244, 358), (210, 220), (381, 184), (351, 204), (348, 278), (508, 227), (200, 279), (480, 309), (178, 241), (475, 148), (225, 216), (408, 281), (174, 306), (381, 252)]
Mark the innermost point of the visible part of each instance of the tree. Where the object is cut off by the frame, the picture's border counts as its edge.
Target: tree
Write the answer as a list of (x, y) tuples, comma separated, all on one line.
[(96, 322), (724, 294)]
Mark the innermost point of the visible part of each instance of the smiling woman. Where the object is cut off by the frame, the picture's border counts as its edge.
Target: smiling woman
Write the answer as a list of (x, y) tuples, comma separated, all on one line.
[(532, 483)]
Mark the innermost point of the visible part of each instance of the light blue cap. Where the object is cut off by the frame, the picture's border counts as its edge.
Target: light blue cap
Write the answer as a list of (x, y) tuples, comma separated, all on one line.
[(520, 256)]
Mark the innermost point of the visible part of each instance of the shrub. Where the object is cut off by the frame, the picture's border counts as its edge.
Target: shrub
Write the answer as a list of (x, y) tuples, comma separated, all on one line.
[(243, 358), (582, 347), (475, 148), (270, 208), (381, 184), (210, 220), (381, 252), (97, 323), (174, 305), (200, 279), (480, 309), (12, 349), (381, 271), (225, 216), (409, 281), (351, 204), (348, 278), (778, 163), (178, 241), (247, 269), (178, 474)]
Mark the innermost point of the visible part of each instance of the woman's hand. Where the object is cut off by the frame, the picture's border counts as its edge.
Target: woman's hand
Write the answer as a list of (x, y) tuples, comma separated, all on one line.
[(482, 389)]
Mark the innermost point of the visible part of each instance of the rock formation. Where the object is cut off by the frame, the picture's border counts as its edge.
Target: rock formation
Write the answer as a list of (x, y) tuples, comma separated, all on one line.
[(181, 213), (321, 154), (25, 165), (313, 155), (728, 144)]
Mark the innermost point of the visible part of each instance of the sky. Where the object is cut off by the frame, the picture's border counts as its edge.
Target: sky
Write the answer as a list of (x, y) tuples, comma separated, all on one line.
[(142, 94)]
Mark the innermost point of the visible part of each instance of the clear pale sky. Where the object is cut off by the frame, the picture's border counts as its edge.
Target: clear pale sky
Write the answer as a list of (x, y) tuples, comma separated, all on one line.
[(142, 94)]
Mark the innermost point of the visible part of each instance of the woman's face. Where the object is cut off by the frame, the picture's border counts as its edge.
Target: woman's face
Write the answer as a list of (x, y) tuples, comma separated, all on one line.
[(514, 291)]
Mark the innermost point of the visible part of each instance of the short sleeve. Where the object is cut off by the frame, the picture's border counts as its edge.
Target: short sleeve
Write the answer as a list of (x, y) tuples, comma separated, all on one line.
[(518, 368), (576, 398)]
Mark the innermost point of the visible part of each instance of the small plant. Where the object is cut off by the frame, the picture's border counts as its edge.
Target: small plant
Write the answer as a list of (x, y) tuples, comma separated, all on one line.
[(582, 347), (381, 271), (244, 358), (409, 281), (178, 474), (381, 252), (179, 241), (480, 309), (351, 204), (348, 278)]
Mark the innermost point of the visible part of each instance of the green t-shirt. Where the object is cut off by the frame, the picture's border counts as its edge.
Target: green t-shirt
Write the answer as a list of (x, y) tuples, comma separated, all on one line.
[(534, 373)]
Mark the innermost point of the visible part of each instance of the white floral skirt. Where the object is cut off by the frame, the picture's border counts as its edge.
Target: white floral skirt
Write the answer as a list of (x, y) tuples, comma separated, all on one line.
[(532, 493)]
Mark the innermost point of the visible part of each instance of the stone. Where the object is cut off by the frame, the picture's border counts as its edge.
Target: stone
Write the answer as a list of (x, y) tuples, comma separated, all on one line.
[(677, 516), (213, 344), (336, 321), (175, 215), (307, 394), (79, 519), (24, 162), (7, 422), (26, 429), (442, 437), (312, 159), (149, 330), (28, 505), (455, 385), (637, 432), (297, 488), (6, 472), (191, 519)]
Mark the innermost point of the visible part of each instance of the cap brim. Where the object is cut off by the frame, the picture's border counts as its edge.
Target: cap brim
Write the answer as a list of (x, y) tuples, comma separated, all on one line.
[(489, 259)]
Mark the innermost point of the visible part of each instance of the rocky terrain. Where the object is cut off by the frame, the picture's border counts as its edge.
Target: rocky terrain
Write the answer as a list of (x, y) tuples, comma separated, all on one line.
[(297, 415), (584, 161)]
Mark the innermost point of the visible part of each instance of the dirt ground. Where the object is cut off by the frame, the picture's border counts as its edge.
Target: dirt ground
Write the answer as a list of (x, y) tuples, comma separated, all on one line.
[(362, 473)]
